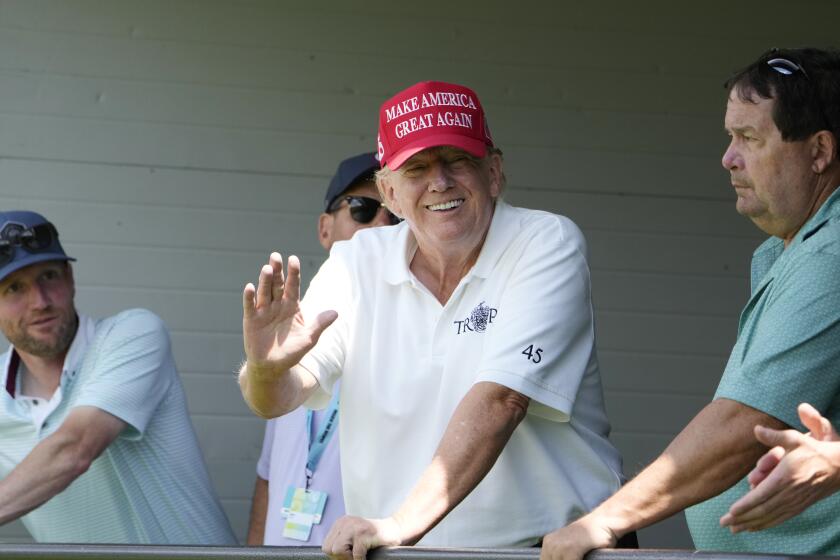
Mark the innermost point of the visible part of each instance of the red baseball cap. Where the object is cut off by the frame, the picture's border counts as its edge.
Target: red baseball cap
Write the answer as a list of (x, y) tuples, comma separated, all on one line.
[(431, 114)]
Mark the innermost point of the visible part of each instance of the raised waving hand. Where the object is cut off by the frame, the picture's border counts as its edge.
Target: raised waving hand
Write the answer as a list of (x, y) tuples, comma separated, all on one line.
[(276, 336)]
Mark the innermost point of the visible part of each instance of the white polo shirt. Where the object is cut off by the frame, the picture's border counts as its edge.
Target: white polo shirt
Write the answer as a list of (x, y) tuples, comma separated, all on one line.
[(522, 317)]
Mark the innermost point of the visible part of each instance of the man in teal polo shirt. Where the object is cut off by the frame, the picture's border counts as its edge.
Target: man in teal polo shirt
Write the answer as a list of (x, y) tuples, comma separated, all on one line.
[(784, 122), (95, 441)]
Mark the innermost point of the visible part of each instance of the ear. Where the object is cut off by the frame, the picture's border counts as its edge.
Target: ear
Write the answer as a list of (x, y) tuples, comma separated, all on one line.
[(386, 192), (823, 150), (325, 234), (496, 175), (69, 276)]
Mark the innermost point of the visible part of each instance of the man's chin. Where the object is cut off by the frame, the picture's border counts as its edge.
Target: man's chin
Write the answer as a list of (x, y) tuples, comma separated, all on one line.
[(40, 348), (48, 346), (747, 208)]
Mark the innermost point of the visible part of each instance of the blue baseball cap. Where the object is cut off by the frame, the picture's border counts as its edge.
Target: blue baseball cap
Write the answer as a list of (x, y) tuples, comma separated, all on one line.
[(27, 238), (350, 171)]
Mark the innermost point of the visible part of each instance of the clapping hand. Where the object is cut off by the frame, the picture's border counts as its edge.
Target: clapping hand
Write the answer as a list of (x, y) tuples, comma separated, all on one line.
[(797, 471)]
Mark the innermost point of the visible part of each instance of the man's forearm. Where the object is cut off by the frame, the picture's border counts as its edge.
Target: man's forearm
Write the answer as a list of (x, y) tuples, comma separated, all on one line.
[(259, 511), (57, 461), (710, 455), (48, 469), (476, 434), (270, 394)]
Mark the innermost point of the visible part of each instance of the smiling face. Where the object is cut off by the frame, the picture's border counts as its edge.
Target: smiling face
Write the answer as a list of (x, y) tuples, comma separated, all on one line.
[(37, 314), (446, 195), (773, 179)]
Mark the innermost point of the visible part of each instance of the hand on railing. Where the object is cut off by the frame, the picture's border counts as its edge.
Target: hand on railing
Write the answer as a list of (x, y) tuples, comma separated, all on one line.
[(352, 537), (573, 541)]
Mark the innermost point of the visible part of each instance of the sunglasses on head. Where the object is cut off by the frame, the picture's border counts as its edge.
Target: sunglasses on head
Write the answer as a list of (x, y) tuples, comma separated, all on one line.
[(786, 67), (363, 209), (34, 239)]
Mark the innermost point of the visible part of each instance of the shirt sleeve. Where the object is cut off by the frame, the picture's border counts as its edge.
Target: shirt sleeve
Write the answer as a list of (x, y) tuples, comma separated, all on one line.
[(788, 347), (330, 289), (264, 464), (128, 369), (542, 338)]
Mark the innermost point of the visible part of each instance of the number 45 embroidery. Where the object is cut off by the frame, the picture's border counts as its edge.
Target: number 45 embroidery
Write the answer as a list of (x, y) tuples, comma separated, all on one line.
[(533, 355)]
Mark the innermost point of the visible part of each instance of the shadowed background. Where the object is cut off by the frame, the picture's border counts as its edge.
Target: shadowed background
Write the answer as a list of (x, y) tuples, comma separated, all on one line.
[(174, 143)]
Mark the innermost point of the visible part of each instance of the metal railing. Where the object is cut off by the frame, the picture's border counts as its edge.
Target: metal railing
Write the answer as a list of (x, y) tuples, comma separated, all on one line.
[(154, 552)]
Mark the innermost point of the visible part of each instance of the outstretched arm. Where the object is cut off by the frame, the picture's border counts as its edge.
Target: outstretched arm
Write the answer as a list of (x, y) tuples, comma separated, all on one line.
[(711, 454), (479, 429), (57, 461), (798, 471), (276, 337)]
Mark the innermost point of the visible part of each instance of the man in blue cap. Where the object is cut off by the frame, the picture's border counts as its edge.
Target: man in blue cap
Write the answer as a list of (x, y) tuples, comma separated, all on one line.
[(300, 456), (97, 445)]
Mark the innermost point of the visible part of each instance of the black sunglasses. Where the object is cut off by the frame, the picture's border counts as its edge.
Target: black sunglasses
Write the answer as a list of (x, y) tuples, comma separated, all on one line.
[(786, 67), (363, 209), (34, 239)]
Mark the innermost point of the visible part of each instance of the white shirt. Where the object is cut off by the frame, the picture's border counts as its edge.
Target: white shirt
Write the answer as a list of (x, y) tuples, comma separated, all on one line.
[(522, 317)]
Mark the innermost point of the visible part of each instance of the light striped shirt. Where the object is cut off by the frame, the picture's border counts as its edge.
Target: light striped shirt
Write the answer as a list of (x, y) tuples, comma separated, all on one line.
[(150, 486)]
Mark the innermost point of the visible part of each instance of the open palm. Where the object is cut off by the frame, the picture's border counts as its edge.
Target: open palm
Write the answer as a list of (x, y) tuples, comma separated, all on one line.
[(276, 336)]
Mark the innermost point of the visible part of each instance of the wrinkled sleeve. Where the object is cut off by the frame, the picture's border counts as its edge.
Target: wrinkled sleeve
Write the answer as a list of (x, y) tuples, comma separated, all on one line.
[(264, 464), (330, 289), (542, 338), (788, 350)]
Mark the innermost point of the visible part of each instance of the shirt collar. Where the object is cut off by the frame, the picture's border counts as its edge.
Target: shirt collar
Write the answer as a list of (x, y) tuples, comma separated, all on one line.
[(504, 224), (830, 209), (766, 255), (72, 360), (78, 348), (398, 255)]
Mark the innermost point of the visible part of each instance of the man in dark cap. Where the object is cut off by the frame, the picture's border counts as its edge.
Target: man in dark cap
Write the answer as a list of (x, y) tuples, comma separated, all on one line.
[(299, 452), (352, 201), (97, 442)]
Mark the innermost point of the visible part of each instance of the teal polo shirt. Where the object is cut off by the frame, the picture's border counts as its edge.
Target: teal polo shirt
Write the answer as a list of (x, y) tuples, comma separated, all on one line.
[(787, 352), (150, 485)]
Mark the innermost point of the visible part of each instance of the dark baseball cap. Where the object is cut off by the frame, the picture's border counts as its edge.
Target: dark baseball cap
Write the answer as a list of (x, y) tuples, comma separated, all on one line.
[(27, 238), (350, 171)]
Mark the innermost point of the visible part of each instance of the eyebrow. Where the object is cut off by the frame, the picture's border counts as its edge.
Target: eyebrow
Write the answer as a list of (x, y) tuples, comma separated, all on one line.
[(740, 129)]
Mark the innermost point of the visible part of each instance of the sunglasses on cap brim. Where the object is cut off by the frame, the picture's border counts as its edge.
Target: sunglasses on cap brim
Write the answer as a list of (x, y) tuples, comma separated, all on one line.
[(363, 209), (34, 239)]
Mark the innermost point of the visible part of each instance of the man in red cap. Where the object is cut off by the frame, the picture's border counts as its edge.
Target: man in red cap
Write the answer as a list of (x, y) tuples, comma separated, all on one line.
[(471, 404)]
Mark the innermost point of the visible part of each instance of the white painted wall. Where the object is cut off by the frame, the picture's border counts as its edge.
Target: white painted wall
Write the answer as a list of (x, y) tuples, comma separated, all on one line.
[(175, 143)]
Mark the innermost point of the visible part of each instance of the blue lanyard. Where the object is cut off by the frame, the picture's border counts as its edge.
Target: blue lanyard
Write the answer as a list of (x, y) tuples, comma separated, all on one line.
[(317, 446)]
